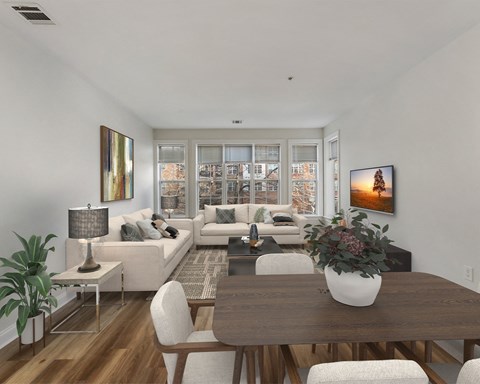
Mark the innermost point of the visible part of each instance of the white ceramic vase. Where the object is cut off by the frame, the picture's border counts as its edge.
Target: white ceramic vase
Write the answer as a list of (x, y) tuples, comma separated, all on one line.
[(352, 289), (27, 335)]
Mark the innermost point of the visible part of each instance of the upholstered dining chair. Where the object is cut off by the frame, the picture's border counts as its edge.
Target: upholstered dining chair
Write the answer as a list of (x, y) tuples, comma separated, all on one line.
[(470, 372), (190, 356), (368, 371), (284, 264)]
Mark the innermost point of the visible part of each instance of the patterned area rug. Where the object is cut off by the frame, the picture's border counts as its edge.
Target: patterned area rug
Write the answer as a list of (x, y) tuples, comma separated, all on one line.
[(200, 270)]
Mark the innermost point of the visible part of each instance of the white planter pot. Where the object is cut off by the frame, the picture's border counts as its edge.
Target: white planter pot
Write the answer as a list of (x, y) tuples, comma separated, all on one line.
[(351, 288), (27, 335)]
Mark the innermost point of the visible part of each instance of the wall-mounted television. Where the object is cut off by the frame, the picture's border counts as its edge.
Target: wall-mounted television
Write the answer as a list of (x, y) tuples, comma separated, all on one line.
[(373, 189)]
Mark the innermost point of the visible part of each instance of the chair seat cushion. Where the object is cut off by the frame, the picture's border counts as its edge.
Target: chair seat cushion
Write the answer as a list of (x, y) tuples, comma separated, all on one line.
[(270, 229), (209, 367)]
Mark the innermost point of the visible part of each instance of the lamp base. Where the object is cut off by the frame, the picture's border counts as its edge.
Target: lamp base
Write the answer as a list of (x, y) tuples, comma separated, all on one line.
[(89, 265), (89, 268)]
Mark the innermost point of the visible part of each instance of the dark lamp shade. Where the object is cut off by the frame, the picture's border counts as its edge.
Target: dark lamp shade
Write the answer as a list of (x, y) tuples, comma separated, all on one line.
[(87, 222), (169, 202)]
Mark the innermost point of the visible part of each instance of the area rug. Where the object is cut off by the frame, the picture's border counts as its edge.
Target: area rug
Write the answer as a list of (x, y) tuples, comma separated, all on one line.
[(201, 269)]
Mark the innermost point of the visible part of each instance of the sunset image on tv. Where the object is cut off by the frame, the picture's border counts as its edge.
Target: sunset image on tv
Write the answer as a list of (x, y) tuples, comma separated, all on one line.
[(372, 188)]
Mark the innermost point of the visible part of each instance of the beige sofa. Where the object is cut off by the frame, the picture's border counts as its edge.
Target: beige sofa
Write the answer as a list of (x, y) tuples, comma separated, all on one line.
[(208, 232), (147, 264)]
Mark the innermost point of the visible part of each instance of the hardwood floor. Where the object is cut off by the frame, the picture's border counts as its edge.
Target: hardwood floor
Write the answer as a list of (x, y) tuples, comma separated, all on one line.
[(124, 351)]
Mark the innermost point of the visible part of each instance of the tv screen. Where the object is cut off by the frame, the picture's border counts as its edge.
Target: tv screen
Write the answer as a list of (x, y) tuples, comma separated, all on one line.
[(372, 189)]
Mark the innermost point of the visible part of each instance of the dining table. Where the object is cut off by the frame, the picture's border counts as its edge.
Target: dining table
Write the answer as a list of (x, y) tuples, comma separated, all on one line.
[(282, 310)]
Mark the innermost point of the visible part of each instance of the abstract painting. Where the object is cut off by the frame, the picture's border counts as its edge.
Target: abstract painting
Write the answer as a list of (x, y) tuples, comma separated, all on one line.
[(116, 151)]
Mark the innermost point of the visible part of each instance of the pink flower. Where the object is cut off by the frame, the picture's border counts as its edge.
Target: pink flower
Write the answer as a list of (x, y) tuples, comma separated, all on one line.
[(354, 246)]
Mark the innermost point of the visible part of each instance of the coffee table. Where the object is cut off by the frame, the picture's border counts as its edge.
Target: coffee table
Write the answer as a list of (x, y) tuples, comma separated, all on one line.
[(241, 258)]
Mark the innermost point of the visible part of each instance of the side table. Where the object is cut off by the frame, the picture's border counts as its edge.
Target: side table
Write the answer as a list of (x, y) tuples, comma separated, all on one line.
[(72, 277)]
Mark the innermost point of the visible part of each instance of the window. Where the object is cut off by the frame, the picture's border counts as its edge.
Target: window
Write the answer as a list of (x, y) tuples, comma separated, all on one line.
[(210, 175), (225, 174), (171, 175), (305, 178), (267, 166), (332, 175)]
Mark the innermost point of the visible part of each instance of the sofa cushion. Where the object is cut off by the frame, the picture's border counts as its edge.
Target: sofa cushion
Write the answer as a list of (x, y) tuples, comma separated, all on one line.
[(225, 216), (241, 212), (172, 246), (132, 218), (114, 227), (236, 229), (270, 229), (130, 232), (165, 229), (147, 213), (148, 230)]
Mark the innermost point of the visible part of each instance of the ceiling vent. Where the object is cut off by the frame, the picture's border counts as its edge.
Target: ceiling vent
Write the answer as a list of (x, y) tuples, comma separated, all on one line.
[(32, 13), (237, 121)]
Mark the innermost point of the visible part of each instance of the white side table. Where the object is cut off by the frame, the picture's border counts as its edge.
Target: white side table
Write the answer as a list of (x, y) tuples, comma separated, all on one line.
[(72, 277)]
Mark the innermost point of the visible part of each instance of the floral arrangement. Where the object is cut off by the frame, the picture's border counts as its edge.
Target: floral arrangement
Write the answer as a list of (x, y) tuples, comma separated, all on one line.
[(350, 243)]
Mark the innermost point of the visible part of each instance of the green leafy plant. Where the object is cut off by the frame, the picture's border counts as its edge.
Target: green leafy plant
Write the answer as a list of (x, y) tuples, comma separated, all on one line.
[(27, 281), (350, 243)]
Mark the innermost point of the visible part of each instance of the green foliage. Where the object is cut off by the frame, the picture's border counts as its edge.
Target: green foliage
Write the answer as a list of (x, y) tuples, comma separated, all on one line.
[(356, 246), (28, 283)]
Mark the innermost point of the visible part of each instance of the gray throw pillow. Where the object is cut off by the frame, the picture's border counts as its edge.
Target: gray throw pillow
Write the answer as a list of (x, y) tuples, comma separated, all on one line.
[(130, 232), (259, 215), (148, 230), (158, 216), (225, 216)]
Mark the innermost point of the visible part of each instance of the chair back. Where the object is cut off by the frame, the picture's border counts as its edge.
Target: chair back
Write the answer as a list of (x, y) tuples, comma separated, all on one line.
[(171, 319), (283, 264), (470, 372), (368, 371)]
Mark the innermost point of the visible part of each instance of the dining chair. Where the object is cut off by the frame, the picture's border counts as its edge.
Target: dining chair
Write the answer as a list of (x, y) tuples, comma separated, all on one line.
[(190, 356), (368, 371), (470, 372)]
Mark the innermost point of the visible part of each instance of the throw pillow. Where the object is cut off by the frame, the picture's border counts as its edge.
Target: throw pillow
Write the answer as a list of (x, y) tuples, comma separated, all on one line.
[(158, 216), (225, 216), (259, 215), (268, 217), (165, 229), (148, 230), (282, 217), (130, 232), (283, 223)]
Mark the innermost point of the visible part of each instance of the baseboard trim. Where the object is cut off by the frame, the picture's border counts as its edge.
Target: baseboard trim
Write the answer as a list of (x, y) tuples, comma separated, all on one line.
[(10, 333)]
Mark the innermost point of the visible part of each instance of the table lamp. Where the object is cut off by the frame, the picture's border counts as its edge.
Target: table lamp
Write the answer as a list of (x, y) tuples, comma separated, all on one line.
[(86, 223), (169, 204)]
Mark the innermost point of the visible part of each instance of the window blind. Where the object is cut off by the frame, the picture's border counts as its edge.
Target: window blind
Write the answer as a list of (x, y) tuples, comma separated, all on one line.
[(171, 154), (264, 153), (209, 154), (238, 153), (333, 149), (304, 153)]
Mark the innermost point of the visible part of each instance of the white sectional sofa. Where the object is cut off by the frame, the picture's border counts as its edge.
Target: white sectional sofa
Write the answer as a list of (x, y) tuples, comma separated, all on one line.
[(208, 232), (147, 264)]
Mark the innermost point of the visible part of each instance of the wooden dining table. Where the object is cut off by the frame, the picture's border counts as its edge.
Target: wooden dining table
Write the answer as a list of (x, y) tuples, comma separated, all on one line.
[(283, 310)]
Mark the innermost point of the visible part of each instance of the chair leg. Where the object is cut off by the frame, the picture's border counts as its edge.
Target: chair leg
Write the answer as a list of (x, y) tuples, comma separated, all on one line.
[(334, 352)]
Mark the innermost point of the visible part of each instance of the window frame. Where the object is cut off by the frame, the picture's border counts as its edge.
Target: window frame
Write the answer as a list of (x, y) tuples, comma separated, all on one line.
[(329, 175), (319, 177), (157, 189)]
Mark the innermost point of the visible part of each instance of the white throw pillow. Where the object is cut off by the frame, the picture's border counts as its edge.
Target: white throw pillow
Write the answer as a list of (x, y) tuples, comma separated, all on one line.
[(267, 216)]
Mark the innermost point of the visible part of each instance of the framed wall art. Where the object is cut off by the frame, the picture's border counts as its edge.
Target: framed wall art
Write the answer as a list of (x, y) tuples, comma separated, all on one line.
[(116, 157)]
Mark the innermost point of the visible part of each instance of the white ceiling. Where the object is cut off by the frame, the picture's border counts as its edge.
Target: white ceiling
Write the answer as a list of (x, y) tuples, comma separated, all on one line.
[(204, 63)]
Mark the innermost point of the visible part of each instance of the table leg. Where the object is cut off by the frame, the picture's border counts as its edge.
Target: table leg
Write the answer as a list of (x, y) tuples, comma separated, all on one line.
[(250, 352), (97, 304), (468, 350), (123, 290), (237, 368), (428, 351)]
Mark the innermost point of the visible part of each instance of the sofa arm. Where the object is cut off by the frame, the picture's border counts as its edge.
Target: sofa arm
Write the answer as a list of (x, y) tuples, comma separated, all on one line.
[(301, 221), (186, 224), (198, 223)]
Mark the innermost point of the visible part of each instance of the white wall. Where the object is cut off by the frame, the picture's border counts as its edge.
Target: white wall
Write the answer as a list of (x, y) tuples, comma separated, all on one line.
[(427, 124), (50, 149)]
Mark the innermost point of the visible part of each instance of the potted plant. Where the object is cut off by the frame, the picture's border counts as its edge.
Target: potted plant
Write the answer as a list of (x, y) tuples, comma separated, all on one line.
[(352, 252), (28, 285)]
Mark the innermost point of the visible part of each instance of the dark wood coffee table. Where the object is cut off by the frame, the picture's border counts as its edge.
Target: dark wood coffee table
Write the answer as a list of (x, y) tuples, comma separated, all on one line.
[(241, 258)]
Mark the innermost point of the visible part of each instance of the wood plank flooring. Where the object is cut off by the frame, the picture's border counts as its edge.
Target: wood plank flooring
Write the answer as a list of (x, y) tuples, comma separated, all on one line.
[(124, 351)]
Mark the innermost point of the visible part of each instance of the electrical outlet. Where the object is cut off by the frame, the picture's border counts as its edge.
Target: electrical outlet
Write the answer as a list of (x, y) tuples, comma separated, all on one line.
[(468, 273)]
